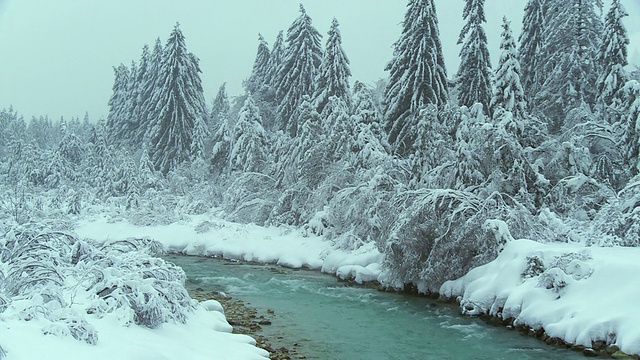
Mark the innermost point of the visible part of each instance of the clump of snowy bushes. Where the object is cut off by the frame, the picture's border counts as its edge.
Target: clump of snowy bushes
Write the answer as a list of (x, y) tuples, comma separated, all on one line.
[(62, 280), (441, 234)]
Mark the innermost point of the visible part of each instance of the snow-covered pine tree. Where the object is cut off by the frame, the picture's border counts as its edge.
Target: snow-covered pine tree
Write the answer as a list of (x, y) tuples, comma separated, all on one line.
[(334, 72), (431, 146), (365, 111), (249, 151), (301, 158), (466, 171), (257, 81), (418, 75), (222, 142), (118, 116), (474, 75), (100, 155), (613, 54), (297, 73), (222, 130), (363, 103), (571, 41), (340, 128), (179, 101), (275, 61), (148, 86), (7, 118), (631, 109), (137, 99), (220, 107), (531, 42), (508, 93), (200, 137), (40, 131), (85, 126), (128, 132)]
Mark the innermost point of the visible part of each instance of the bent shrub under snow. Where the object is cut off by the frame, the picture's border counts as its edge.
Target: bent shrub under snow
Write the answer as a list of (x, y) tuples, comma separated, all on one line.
[(43, 275), (442, 234)]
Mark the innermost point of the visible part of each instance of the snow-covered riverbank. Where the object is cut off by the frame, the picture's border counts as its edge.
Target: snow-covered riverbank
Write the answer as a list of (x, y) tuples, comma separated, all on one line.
[(289, 247), (579, 294), (583, 295)]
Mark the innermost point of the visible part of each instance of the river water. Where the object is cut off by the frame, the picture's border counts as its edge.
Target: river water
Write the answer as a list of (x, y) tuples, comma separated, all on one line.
[(332, 320)]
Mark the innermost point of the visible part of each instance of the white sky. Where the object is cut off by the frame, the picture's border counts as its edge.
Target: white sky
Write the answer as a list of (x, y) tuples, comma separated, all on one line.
[(56, 56)]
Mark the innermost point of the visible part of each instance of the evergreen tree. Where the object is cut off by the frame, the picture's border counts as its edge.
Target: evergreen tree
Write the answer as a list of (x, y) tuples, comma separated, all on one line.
[(222, 126), (508, 93), (474, 75), (249, 151), (365, 110), (222, 143), (149, 84), (220, 107), (298, 70), (467, 172), (418, 75), (276, 58), (40, 130), (131, 105), (118, 105), (572, 38), (303, 160), (179, 102), (613, 54), (200, 138), (334, 72), (631, 110), (86, 126), (138, 99), (257, 81), (531, 42), (431, 146), (340, 127)]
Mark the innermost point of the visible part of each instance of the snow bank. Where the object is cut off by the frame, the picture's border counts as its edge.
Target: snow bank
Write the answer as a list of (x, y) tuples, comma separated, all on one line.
[(206, 236), (576, 293), (205, 336)]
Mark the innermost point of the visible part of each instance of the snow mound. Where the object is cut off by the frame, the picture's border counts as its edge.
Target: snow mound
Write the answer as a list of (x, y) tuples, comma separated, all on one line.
[(576, 293)]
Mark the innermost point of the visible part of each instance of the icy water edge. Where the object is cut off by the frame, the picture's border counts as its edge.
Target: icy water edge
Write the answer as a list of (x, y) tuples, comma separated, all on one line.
[(332, 320)]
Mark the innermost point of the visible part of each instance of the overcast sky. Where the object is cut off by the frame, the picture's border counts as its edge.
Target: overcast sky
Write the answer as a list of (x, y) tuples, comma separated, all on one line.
[(57, 56)]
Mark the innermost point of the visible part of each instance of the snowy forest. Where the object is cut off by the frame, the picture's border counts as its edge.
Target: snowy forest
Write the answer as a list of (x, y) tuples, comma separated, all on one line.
[(438, 168)]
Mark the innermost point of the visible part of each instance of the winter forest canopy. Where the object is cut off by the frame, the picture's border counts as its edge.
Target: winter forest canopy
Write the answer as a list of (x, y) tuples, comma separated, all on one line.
[(437, 167)]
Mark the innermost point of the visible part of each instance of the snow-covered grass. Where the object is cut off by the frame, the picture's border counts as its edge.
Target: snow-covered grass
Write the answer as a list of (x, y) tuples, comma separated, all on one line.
[(575, 293)]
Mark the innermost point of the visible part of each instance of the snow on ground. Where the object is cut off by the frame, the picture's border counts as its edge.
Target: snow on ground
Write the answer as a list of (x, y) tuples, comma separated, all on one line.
[(290, 247), (576, 293), (66, 298), (205, 336)]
